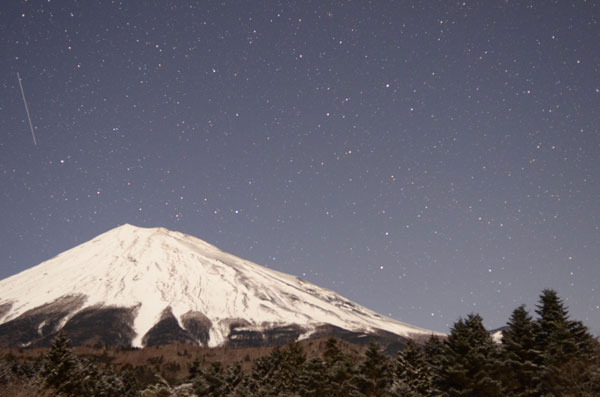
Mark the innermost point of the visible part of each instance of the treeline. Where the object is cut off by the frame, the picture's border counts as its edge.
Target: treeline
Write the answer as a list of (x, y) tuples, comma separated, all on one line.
[(547, 356)]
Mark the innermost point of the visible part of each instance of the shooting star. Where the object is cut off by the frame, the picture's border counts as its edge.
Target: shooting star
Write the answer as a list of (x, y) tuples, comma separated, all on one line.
[(26, 109)]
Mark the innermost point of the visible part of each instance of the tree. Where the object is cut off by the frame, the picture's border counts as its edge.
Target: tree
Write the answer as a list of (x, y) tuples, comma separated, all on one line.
[(313, 381), (260, 380), (470, 360), (552, 331), (521, 360), (210, 382), (433, 353), (339, 371), (60, 368), (413, 371), (285, 379), (374, 375), (562, 343)]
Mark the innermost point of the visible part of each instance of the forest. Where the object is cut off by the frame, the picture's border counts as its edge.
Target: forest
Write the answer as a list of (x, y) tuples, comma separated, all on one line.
[(549, 355)]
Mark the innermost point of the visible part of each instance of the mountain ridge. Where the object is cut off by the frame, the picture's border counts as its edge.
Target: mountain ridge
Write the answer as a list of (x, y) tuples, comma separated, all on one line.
[(160, 285)]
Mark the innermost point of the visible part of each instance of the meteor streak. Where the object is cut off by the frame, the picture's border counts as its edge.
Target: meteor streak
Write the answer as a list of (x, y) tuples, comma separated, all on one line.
[(26, 109)]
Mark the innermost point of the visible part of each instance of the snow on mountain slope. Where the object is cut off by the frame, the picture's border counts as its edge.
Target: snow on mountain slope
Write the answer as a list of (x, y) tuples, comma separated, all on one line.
[(153, 270)]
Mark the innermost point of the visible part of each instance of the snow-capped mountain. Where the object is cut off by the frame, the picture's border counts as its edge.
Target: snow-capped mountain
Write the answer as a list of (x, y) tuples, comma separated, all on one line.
[(148, 286)]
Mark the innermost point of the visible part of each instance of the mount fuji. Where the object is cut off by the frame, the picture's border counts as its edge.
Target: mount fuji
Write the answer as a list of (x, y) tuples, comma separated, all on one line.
[(135, 286)]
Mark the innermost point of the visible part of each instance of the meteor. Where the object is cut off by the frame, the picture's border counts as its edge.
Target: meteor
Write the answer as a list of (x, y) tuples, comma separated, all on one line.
[(26, 109)]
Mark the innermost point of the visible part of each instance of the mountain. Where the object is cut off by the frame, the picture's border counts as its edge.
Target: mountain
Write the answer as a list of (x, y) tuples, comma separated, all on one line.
[(135, 286)]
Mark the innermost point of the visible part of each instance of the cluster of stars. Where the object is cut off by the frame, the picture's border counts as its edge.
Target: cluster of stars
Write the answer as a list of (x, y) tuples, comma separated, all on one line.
[(424, 162)]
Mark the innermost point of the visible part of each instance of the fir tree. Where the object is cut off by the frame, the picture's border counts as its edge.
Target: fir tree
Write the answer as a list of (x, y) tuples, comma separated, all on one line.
[(521, 370), (233, 377), (470, 360), (285, 378), (313, 381), (339, 371), (260, 381), (194, 369), (552, 331), (400, 389), (433, 353), (562, 343), (374, 375), (413, 371), (210, 382), (60, 368), (584, 341), (160, 389)]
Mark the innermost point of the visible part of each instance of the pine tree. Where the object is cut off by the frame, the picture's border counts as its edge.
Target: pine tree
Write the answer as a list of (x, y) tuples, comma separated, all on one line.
[(584, 341), (339, 371), (194, 369), (332, 350), (260, 381), (562, 343), (470, 360), (210, 382), (521, 369), (233, 377), (285, 380), (60, 370), (374, 375), (552, 327), (413, 371), (313, 380), (433, 353), (400, 389), (160, 389)]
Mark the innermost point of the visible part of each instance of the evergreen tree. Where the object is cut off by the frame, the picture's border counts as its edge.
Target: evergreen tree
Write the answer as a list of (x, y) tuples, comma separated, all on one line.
[(210, 382), (470, 360), (339, 371), (374, 375), (194, 369), (313, 380), (562, 343), (552, 331), (233, 377), (400, 389), (60, 370), (290, 368), (260, 382), (160, 389), (433, 353), (584, 341), (521, 369), (332, 351), (413, 371)]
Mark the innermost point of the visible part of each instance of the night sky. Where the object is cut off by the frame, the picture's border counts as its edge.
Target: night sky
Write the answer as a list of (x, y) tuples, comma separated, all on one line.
[(426, 159)]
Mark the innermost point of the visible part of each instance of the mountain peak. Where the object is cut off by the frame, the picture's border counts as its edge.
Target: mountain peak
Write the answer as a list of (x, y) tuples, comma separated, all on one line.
[(145, 277)]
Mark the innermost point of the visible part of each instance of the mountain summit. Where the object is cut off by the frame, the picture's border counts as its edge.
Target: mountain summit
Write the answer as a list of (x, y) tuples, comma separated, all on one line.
[(135, 286)]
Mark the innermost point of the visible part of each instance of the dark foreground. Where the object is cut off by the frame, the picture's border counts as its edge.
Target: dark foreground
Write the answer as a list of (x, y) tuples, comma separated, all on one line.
[(550, 355)]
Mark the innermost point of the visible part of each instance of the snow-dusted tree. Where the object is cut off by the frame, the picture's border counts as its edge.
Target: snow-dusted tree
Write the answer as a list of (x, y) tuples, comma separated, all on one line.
[(562, 343), (60, 370), (313, 381), (211, 381), (521, 369), (470, 360), (286, 376), (433, 352), (339, 369), (260, 380), (413, 371), (374, 375)]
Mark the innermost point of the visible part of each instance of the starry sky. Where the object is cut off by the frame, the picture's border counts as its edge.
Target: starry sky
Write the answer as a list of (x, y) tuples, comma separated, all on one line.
[(426, 159)]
